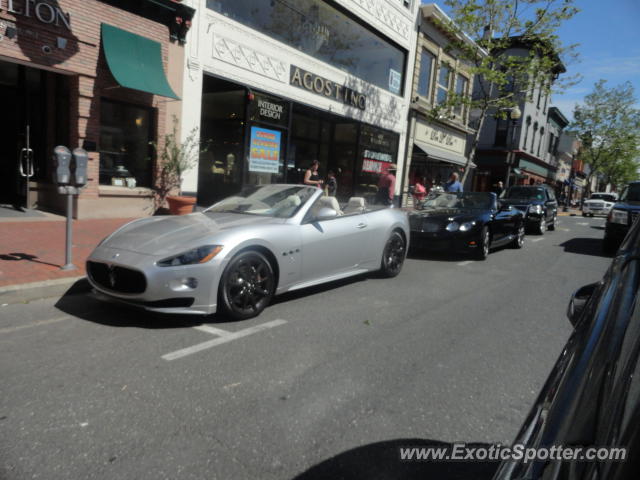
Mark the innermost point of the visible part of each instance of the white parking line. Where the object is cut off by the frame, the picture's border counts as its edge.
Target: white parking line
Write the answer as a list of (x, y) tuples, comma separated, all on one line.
[(582, 223), (536, 239), (212, 330), (223, 337), (36, 324), (466, 262)]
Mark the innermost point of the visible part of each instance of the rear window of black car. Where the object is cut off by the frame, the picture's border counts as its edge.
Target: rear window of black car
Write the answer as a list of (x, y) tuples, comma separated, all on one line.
[(631, 193)]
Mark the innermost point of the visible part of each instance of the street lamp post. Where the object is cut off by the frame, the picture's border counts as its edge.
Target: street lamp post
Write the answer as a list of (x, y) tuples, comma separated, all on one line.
[(514, 115)]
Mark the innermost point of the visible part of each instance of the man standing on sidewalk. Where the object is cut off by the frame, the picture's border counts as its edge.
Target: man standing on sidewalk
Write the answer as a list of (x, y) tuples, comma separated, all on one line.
[(387, 187)]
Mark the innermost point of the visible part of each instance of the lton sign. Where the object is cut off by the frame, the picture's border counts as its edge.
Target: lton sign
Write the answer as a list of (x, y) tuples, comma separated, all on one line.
[(317, 84), (42, 10)]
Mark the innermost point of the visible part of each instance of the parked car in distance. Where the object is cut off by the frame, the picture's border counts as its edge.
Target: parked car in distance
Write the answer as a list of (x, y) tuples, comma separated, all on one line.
[(592, 395), (621, 217), (468, 222), (599, 203), (239, 253), (537, 202)]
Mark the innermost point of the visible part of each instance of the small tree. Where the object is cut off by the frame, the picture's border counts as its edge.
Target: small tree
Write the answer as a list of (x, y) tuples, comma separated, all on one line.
[(607, 124), (504, 80), (175, 158)]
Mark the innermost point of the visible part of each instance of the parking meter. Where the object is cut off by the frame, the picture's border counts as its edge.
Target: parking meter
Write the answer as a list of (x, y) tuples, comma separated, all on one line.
[(81, 161), (61, 163)]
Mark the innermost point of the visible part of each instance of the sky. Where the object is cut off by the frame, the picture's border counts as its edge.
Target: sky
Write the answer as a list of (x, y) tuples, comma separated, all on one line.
[(608, 34)]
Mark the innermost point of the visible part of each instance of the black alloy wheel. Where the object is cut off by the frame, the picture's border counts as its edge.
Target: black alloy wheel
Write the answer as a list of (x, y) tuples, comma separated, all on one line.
[(552, 227), (393, 255), (518, 242), (484, 244), (247, 285), (542, 226)]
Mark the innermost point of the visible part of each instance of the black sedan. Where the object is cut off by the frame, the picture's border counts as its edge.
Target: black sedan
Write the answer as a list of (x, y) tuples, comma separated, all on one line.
[(538, 202), (466, 222), (621, 217), (592, 396)]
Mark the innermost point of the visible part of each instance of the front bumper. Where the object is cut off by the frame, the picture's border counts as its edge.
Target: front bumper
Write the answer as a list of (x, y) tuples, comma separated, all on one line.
[(587, 210), (461, 242), (168, 289)]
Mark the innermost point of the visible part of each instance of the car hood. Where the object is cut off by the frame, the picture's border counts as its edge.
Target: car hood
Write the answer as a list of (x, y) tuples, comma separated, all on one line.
[(173, 234), (520, 203), (633, 206)]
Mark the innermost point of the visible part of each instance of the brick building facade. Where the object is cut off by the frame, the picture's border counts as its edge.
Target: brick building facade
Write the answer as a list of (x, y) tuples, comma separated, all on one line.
[(58, 88)]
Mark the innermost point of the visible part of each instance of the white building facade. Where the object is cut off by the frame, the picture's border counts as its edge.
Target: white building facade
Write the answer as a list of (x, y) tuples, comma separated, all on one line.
[(272, 85)]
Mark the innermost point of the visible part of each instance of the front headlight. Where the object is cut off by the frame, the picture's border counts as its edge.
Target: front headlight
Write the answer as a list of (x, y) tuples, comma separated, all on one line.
[(536, 209), (465, 227), (619, 216), (452, 227), (191, 257)]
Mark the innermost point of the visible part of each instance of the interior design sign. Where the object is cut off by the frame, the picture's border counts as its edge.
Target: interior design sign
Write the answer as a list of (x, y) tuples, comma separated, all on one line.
[(320, 85), (264, 150)]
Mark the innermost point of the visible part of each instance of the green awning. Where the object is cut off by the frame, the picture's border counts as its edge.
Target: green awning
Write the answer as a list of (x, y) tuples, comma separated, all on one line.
[(135, 61)]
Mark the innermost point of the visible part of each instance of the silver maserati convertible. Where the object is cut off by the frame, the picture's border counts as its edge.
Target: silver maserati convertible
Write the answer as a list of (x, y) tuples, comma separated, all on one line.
[(239, 253)]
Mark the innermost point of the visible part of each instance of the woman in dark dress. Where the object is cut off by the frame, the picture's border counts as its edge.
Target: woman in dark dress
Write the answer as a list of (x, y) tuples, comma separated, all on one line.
[(311, 176)]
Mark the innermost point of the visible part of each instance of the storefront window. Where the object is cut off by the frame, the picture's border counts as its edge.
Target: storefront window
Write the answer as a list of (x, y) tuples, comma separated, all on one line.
[(427, 60), (125, 152), (376, 151), (222, 127), (322, 31)]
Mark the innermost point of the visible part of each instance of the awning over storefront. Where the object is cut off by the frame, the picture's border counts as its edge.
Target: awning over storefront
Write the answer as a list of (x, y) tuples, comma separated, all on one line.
[(442, 155), (135, 61)]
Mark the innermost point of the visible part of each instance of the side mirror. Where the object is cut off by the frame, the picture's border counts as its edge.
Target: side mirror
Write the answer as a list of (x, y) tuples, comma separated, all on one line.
[(325, 213), (578, 301)]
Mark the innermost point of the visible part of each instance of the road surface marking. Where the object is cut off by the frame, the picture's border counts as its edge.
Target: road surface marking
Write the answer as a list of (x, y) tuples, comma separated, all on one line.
[(565, 229), (536, 239), (227, 337), (466, 262), (582, 223), (36, 324), (213, 330)]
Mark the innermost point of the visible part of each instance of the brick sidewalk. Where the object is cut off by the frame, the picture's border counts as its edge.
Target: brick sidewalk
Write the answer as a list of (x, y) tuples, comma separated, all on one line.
[(33, 251)]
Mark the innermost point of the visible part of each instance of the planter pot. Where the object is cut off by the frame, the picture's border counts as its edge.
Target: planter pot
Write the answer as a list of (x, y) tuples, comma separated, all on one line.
[(181, 205)]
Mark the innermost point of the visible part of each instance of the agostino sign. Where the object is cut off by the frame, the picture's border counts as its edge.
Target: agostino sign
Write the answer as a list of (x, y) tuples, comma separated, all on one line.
[(321, 86)]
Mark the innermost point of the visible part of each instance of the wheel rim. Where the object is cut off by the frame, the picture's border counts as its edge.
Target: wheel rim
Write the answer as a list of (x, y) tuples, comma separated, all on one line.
[(485, 244), (521, 236), (249, 285), (394, 254), (543, 225)]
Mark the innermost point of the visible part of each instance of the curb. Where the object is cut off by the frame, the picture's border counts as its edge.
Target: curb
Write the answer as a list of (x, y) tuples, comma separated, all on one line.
[(49, 288)]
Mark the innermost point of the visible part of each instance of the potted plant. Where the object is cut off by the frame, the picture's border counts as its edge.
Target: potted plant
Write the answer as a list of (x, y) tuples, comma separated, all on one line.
[(175, 158)]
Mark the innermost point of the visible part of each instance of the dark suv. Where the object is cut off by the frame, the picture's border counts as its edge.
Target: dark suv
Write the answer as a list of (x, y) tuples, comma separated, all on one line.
[(538, 202), (621, 217)]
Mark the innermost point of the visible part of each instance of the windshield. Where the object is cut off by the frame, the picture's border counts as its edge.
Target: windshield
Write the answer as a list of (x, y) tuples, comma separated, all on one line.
[(473, 200), (631, 193), (278, 201), (526, 193), (603, 196)]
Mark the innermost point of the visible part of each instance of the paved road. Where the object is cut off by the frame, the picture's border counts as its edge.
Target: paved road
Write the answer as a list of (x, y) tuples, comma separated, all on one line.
[(327, 381)]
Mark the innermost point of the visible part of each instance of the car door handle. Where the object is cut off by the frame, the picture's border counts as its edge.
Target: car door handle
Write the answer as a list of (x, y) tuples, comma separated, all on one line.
[(361, 225)]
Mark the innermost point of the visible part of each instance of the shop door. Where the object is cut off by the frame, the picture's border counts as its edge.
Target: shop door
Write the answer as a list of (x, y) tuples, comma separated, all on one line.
[(22, 124)]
